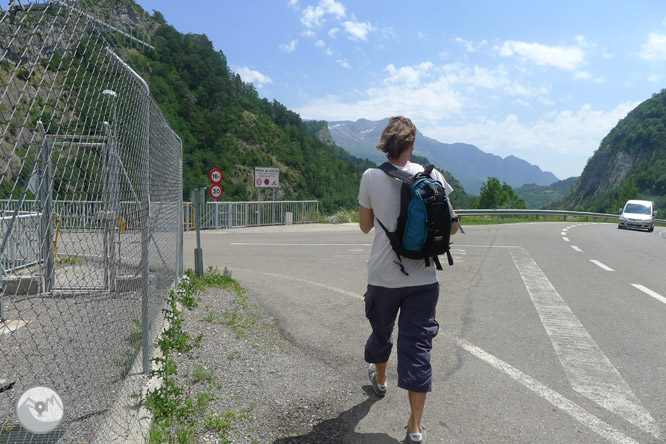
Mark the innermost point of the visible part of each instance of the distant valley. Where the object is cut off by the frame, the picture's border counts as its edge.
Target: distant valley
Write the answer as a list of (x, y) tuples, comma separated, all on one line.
[(467, 163)]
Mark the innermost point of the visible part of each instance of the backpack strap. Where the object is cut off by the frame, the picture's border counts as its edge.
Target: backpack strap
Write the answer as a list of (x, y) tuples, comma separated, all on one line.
[(401, 175), (392, 171), (393, 240)]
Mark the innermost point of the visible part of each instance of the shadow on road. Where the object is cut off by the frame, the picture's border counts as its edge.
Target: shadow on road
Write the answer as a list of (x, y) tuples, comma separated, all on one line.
[(341, 429)]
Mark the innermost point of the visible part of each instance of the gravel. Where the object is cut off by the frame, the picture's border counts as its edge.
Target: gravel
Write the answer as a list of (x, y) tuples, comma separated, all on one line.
[(276, 391)]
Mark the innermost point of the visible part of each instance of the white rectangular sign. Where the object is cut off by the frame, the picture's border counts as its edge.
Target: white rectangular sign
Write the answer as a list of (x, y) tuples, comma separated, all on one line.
[(266, 177)]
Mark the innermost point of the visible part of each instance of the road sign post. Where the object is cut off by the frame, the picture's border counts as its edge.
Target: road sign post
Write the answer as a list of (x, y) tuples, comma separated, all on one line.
[(198, 196), (265, 178)]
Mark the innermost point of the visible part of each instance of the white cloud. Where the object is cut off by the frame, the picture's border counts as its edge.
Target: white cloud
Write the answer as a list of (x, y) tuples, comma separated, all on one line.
[(333, 32), (426, 91), (421, 35), (608, 55), (582, 75), (320, 44), (333, 7), (358, 30), (251, 76), (293, 4), (566, 58), (471, 46), (655, 47), (344, 63), (313, 16), (290, 47), (407, 76)]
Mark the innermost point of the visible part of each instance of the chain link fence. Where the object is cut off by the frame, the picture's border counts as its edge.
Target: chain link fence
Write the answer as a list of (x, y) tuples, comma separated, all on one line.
[(91, 221)]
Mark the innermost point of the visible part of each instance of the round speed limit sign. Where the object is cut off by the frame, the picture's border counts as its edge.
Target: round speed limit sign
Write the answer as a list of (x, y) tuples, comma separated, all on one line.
[(215, 191), (215, 175)]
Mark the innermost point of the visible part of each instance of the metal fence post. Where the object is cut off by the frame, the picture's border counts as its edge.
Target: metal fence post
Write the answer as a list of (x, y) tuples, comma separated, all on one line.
[(114, 192), (198, 253), (46, 210), (145, 232)]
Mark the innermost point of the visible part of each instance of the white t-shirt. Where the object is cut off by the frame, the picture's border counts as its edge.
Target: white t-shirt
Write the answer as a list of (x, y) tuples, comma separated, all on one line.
[(381, 193)]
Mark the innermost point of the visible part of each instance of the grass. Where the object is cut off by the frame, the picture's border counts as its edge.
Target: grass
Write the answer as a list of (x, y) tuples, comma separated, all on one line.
[(242, 316), (71, 260), (178, 417), (494, 220), (200, 374)]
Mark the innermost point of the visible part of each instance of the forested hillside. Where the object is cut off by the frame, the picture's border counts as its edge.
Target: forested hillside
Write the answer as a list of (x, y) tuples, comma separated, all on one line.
[(537, 196), (223, 123), (629, 164)]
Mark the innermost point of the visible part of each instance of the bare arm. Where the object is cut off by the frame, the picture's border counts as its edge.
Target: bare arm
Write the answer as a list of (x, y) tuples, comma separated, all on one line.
[(454, 227), (367, 218)]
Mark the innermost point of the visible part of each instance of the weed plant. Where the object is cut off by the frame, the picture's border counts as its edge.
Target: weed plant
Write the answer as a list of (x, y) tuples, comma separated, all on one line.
[(178, 417)]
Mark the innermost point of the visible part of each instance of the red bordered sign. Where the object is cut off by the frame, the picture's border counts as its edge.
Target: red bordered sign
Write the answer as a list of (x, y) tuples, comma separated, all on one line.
[(215, 175), (215, 191)]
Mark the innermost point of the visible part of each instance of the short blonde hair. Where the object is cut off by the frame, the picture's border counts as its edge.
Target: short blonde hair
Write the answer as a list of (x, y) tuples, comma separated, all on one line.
[(397, 137)]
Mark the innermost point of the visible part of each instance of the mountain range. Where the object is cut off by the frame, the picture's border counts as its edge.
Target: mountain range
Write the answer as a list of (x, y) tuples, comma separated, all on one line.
[(467, 163)]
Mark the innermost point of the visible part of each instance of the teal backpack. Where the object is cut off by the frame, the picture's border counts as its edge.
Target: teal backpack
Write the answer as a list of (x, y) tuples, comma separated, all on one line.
[(425, 220)]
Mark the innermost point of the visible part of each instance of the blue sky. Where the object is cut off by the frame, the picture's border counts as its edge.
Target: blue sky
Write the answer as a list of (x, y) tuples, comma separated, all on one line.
[(544, 81)]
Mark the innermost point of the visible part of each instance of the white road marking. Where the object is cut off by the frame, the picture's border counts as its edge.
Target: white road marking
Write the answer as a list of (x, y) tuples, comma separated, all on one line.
[(589, 370), (565, 239), (488, 246), (603, 266), (564, 232), (303, 281), (556, 399), (651, 293), (268, 244), (576, 249)]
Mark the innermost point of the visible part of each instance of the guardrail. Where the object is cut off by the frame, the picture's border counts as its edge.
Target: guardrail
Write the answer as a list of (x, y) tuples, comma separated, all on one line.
[(23, 246), (563, 213), (215, 215)]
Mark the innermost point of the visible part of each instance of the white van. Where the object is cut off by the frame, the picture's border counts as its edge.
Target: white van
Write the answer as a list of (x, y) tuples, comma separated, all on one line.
[(637, 214)]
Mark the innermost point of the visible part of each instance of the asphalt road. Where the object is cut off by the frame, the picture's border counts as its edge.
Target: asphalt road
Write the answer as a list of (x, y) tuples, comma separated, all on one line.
[(550, 332)]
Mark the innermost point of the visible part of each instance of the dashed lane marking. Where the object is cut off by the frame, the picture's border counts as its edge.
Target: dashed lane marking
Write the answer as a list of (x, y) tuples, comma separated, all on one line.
[(601, 265), (576, 249), (651, 293)]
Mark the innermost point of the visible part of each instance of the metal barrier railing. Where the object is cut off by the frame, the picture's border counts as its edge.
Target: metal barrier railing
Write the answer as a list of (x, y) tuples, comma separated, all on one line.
[(550, 213), (215, 215), (23, 243)]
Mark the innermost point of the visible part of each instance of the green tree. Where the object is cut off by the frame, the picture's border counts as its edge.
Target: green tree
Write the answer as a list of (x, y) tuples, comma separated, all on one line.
[(495, 195)]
